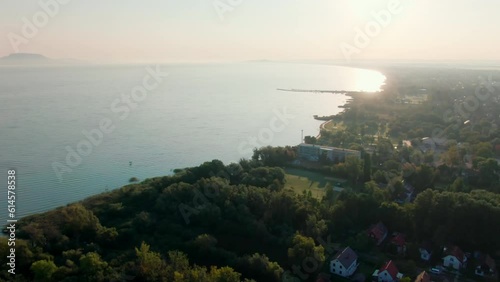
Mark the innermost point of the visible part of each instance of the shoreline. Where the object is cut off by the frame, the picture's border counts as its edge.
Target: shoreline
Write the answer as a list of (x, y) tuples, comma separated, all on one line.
[(344, 103), (346, 106), (322, 127)]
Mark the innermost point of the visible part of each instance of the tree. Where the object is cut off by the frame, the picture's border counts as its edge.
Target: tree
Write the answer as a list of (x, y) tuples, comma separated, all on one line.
[(361, 242), (380, 195), (452, 156), (78, 221), (43, 270), (458, 185), (384, 148), (224, 274), (36, 234), (178, 261), (274, 156), (423, 178), (395, 216), (483, 149), (396, 187), (315, 228), (489, 173), (235, 172), (205, 241), (260, 267), (150, 265), (367, 167), (93, 267), (271, 177), (304, 247), (107, 235), (310, 140), (353, 167), (392, 165)]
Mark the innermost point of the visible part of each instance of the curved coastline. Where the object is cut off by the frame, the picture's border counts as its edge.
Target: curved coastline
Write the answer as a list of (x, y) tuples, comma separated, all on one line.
[(78, 186)]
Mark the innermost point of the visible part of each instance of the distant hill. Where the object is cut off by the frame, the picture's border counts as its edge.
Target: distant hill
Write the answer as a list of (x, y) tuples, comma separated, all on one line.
[(26, 59), (260, 61)]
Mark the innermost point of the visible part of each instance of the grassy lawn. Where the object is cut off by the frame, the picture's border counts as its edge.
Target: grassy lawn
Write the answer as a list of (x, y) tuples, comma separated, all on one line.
[(334, 126), (366, 269), (303, 180)]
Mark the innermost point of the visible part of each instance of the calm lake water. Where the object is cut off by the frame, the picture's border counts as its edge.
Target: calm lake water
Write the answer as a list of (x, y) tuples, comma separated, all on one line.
[(197, 113)]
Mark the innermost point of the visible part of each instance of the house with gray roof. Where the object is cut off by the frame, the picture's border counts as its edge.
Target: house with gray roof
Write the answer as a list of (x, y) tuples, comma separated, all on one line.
[(344, 263)]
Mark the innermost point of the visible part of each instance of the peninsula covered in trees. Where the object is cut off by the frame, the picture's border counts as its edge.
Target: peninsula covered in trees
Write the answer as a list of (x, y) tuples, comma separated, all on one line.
[(429, 169)]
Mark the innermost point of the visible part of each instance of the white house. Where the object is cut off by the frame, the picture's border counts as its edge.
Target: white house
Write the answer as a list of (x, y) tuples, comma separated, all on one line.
[(455, 258), (425, 251), (344, 263), (388, 273)]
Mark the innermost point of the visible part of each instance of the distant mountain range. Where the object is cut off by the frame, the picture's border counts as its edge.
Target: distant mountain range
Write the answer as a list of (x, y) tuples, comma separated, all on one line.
[(27, 59)]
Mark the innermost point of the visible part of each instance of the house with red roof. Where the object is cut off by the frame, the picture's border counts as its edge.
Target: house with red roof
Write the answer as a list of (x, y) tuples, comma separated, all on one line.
[(423, 277), (378, 232), (344, 263), (454, 258), (388, 273), (398, 242)]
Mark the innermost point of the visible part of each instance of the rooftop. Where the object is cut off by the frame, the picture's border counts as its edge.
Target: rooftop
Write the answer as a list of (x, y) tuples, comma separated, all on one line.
[(346, 257)]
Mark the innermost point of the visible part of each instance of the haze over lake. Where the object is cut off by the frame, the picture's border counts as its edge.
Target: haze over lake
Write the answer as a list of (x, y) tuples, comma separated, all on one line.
[(198, 113)]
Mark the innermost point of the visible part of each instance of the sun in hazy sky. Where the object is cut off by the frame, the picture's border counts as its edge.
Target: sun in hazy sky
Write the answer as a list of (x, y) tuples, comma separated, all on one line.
[(229, 30)]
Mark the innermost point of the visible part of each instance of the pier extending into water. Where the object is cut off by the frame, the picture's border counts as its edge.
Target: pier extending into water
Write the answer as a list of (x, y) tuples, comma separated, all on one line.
[(324, 91)]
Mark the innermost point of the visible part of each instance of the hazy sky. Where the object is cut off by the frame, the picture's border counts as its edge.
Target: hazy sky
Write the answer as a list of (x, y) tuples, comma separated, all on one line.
[(229, 30)]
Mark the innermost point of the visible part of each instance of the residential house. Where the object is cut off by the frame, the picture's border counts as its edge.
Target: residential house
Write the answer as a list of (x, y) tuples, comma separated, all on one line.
[(388, 273), (407, 143), (486, 266), (398, 243), (425, 251), (378, 232), (344, 263), (455, 258)]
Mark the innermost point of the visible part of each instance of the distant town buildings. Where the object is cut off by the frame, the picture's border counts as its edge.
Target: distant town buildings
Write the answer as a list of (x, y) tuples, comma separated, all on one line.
[(316, 153)]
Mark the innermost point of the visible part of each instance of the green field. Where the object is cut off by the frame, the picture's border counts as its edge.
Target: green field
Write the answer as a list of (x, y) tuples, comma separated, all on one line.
[(334, 126), (302, 180)]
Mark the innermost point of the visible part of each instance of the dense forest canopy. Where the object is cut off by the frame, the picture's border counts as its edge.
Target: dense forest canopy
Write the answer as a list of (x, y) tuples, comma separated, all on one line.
[(195, 227)]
